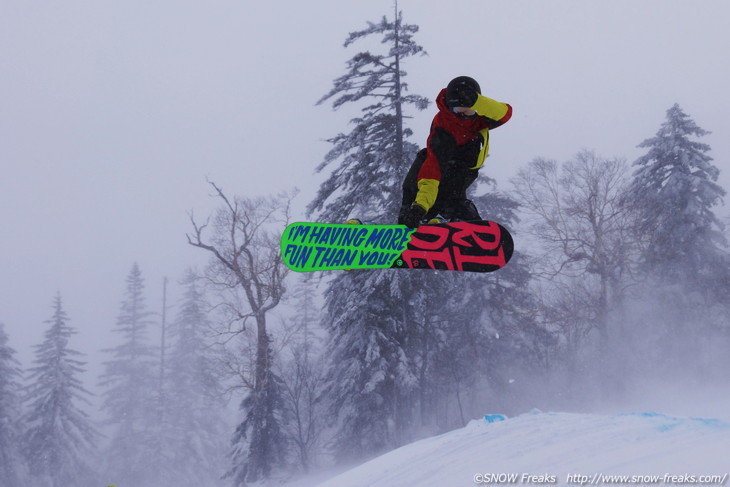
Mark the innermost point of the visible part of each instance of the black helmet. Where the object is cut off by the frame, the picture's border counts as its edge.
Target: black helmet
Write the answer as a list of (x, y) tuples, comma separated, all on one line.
[(462, 92)]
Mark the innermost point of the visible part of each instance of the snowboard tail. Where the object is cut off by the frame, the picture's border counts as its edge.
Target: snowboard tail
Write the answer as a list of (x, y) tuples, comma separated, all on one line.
[(479, 246)]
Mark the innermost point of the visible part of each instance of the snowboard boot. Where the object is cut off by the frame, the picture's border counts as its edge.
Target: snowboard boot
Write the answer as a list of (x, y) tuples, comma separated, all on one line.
[(436, 220)]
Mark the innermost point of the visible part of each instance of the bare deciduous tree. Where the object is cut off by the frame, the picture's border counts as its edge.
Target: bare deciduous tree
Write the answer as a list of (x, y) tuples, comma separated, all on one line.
[(247, 272), (583, 223)]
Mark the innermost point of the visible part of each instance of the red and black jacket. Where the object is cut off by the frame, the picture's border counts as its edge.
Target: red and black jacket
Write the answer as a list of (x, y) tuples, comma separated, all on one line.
[(465, 141)]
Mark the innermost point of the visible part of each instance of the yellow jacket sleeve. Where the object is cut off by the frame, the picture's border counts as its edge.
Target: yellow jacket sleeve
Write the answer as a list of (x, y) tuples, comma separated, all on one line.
[(428, 190), (498, 112), (493, 109)]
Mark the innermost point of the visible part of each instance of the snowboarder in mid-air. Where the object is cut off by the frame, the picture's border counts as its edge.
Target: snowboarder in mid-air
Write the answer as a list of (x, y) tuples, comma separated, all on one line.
[(454, 236), (436, 184)]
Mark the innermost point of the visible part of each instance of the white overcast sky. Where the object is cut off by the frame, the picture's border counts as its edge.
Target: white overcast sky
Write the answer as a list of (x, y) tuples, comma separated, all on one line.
[(113, 114)]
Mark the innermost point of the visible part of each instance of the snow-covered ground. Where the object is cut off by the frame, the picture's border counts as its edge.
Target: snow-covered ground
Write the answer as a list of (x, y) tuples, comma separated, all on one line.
[(558, 448)]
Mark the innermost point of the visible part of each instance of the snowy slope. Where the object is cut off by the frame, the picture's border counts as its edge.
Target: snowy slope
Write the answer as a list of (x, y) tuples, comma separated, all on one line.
[(552, 446)]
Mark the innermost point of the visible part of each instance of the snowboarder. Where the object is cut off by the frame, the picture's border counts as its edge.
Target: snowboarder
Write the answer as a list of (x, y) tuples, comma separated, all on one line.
[(456, 149)]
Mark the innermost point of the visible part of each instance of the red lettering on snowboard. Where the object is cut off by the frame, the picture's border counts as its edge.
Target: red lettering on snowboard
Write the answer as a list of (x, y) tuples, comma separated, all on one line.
[(454, 245)]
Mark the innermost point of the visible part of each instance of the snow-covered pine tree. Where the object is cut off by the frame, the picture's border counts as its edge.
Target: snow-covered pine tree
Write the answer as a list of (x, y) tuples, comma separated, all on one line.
[(675, 188), (59, 438), (12, 464), (130, 380), (192, 428), (370, 375), (259, 443), (373, 158), (476, 334), (675, 191)]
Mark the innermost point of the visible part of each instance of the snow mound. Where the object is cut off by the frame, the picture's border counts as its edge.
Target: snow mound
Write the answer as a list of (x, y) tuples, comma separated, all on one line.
[(557, 448)]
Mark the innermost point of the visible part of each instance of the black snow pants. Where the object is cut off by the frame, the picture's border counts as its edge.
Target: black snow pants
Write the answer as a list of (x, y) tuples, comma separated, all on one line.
[(451, 202)]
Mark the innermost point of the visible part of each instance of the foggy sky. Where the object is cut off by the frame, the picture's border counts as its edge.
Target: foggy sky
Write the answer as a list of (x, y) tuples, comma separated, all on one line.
[(113, 114)]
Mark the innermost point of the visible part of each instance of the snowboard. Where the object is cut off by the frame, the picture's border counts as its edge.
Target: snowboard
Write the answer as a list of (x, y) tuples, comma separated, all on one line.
[(476, 246)]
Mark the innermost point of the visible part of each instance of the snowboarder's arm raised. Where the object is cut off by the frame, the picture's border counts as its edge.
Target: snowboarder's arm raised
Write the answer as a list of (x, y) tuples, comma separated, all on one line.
[(499, 113)]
